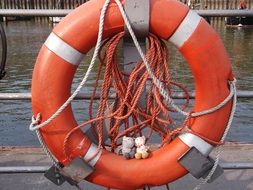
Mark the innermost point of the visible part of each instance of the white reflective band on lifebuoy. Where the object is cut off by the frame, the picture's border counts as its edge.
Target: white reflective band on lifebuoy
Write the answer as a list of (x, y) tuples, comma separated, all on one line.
[(195, 141), (63, 50), (185, 29), (91, 152)]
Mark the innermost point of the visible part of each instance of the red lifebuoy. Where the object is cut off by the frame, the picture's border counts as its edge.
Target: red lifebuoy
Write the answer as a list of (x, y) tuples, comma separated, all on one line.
[(58, 60)]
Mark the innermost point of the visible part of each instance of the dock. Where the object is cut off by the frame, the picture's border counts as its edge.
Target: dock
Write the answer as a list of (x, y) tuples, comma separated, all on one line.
[(23, 167)]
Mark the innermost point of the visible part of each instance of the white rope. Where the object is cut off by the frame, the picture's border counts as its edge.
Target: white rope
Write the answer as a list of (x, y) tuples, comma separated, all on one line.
[(219, 148), (158, 83), (220, 105), (44, 146), (34, 127), (46, 150)]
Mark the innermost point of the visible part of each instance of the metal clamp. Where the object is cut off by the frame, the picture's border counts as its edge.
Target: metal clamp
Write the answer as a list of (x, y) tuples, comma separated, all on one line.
[(54, 175), (199, 165), (74, 173), (77, 170), (138, 14)]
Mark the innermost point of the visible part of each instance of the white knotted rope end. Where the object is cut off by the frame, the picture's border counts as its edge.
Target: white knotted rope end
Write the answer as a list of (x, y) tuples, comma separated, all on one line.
[(35, 122)]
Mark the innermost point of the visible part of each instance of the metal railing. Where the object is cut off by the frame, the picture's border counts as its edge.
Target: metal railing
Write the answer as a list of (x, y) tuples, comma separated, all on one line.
[(85, 96), (43, 169), (61, 12)]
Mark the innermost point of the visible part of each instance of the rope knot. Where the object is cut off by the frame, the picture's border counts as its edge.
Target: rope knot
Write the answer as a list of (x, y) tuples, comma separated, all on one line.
[(35, 122), (233, 81)]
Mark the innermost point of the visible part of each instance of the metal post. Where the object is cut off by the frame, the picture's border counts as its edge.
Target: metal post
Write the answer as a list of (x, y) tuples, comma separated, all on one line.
[(138, 14)]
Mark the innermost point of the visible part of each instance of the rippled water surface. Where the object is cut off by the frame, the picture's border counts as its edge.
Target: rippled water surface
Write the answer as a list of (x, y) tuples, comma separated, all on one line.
[(26, 38)]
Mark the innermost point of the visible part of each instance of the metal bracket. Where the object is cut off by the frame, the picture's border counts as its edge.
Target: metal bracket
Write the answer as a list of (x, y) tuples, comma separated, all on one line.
[(138, 14), (217, 173), (74, 173), (54, 175), (77, 170), (199, 165)]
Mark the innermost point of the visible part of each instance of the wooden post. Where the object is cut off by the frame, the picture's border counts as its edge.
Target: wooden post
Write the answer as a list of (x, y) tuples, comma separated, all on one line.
[(202, 4), (32, 4), (47, 4), (5, 4), (68, 4), (18, 4), (8, 4), (61, 5), (52, 4)]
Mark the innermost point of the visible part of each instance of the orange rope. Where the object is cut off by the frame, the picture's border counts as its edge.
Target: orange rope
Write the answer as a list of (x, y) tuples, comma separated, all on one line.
[(125, 114)]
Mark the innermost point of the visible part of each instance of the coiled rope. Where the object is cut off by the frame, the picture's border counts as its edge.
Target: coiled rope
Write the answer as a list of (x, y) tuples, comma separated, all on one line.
[(128, 90)]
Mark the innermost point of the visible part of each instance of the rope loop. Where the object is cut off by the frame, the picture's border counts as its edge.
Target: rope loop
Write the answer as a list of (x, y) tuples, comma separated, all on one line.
[(35, 122), (220, 105), (87, 74)]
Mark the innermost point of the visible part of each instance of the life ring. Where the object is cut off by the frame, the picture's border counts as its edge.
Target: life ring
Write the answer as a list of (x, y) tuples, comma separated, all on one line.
[(58, 60)]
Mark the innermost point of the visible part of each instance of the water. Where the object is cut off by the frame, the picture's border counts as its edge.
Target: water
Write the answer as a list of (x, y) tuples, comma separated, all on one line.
[(26, 38)]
